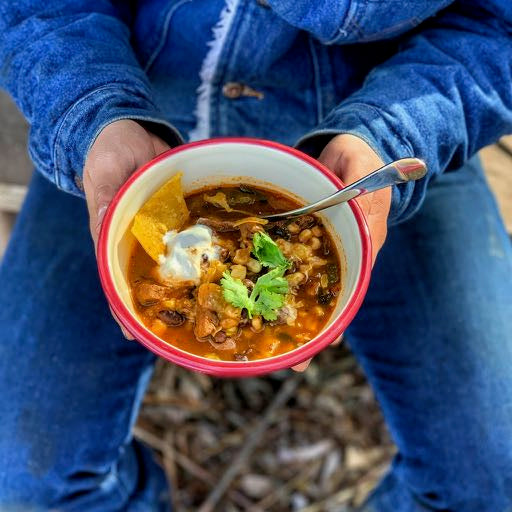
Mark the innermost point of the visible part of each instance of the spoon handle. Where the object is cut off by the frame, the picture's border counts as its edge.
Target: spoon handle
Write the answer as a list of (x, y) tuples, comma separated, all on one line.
[(399, 171)]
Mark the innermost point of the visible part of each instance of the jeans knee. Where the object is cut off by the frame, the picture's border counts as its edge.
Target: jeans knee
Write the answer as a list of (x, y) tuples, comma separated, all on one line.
[(401, 491), (476, 480), (21, 493)]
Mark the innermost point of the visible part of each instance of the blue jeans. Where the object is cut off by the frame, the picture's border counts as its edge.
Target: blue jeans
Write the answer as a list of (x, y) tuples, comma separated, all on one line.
[(434, 337)]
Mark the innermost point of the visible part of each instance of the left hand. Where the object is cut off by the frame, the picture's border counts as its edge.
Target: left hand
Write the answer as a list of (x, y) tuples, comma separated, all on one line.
[(351, 158)]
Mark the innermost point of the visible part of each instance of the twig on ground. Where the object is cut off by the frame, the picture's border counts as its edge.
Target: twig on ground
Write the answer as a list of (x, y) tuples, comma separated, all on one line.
[(253, 438), (188, 465)]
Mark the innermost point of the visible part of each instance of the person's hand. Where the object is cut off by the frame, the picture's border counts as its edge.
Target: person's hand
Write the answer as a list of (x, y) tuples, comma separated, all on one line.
[(351, 158), (117, 152), (120, 148)]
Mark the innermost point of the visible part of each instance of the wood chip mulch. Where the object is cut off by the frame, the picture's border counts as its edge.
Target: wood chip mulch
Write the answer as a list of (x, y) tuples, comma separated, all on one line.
[(309, 442)]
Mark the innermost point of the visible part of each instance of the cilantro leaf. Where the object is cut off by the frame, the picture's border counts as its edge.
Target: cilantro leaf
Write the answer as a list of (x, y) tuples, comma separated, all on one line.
[(272, 281), (236, 293), (267, 252), (268, 303), (269, 293)]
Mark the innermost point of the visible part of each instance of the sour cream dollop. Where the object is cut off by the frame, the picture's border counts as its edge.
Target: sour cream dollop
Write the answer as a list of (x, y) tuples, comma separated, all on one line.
[(185, 251)]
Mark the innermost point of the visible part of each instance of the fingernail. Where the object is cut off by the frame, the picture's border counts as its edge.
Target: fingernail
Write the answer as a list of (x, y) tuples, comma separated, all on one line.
[(99, 216)]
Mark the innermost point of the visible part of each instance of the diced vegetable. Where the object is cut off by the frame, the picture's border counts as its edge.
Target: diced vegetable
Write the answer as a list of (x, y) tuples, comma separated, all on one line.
[(325, 298), (295, 279), (218, 199), (333, 273)]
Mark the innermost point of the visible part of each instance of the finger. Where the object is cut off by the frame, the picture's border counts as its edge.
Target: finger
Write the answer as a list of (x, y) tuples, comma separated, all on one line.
[(301, 367), (376, 216), (103, 195), (338, 341), (159, 145), (100, 189)]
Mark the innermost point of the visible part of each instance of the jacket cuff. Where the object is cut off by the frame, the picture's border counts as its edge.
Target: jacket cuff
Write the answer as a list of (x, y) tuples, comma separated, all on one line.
[(369, 124), (85, 119)]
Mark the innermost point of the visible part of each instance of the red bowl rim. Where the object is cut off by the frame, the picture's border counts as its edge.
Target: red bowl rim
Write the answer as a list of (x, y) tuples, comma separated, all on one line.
[(233, 368)]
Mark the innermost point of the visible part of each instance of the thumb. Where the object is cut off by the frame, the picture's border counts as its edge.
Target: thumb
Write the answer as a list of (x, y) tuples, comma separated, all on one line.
[(351, 159), (100, 188)]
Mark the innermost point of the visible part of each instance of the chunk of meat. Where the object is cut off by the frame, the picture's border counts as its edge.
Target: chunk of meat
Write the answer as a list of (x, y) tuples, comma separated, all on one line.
[(305, 221), (171, 318), (210, 298), (148, 293), (280, 230), (286, 315), (205, 324), (222, 342), (222, 226), (183, 306), (248, 229)]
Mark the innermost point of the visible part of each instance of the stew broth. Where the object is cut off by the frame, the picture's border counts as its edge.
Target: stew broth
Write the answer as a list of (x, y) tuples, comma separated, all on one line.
[(314, 279)]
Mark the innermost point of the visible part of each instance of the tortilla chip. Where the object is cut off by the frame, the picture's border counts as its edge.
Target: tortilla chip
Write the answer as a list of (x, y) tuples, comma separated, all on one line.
[(165, 210)]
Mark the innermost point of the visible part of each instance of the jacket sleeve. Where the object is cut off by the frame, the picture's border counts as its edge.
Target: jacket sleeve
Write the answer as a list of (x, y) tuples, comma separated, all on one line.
[(443, 96), (71, 70), (355, 21)]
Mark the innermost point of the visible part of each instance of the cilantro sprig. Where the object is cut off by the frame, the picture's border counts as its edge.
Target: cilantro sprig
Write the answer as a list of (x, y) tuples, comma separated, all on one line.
[(269, 291)]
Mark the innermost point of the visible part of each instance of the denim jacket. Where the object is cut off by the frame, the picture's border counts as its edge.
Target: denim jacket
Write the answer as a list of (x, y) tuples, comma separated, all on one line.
[(430, 78)]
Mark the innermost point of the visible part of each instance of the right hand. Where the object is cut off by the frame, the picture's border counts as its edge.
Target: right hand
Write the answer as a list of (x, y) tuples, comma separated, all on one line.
[(121, 148)]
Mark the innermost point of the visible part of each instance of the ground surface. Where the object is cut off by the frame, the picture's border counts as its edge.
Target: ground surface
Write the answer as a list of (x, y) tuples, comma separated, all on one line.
[(311, 442)]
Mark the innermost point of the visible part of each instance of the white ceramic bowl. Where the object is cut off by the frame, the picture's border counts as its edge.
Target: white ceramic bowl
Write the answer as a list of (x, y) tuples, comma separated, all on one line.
[(248, 161)]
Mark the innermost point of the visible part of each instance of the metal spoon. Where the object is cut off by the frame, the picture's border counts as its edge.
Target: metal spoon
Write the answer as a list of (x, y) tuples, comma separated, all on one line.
[(399, 171)]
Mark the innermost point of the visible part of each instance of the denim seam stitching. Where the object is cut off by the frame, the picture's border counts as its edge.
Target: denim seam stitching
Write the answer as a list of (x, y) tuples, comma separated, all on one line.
[(134, 117), (378, 111), (361, 107), (355, 11), (316, 76), (71, 108), (164, 35)]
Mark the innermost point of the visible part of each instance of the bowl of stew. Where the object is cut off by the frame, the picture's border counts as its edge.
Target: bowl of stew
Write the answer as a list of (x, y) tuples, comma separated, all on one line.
[(192, 270)]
